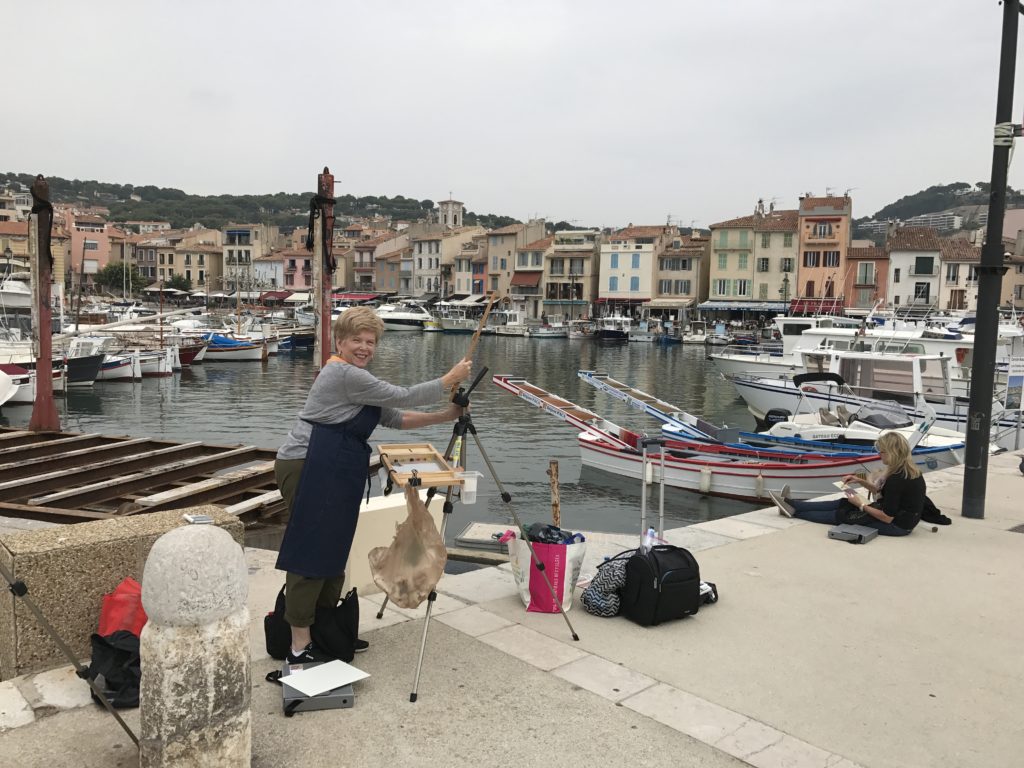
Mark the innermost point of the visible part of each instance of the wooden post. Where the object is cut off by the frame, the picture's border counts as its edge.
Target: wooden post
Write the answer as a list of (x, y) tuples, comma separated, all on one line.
[(556, 507), (44, 411)]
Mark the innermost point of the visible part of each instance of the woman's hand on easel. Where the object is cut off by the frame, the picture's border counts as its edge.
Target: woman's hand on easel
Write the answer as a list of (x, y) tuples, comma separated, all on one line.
[(459, 372)]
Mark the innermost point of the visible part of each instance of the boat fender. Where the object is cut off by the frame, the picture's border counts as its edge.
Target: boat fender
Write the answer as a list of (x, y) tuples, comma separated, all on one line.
[(759, 486), (705, 480)]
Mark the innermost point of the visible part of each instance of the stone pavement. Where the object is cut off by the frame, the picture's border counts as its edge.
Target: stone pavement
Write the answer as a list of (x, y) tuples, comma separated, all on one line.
[(903, 652)]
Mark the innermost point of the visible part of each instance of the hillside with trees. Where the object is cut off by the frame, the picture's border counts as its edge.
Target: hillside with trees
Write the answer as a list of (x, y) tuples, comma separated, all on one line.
[(284, 209), (942, 197)]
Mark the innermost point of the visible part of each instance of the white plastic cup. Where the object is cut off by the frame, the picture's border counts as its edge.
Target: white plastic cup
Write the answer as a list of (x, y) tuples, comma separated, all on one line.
[(468, 494)]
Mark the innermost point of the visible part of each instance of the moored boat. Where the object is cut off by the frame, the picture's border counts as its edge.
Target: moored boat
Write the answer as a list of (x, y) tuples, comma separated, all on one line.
[(713, 470)]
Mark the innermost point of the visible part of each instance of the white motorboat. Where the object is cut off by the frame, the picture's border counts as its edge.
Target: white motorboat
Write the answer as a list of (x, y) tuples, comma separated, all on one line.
[(507, 322), (918, 385), (613, 328), (22, 389), (582, 329), (16, 291), (696, 332), (403, 316)]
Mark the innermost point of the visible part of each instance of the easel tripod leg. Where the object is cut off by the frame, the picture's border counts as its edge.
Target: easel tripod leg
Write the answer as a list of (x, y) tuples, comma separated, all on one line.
[(507, 498)]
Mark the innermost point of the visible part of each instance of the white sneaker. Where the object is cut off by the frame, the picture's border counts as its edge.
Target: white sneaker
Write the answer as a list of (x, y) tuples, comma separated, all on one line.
[(785, 508)]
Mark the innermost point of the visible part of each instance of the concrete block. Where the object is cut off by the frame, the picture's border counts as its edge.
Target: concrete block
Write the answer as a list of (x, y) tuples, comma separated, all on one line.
[(196, 686), (67, 570), (15, 709)]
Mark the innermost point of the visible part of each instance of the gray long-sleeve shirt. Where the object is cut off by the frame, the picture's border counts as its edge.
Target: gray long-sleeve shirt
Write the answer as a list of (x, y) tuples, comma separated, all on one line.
[(341, 390)]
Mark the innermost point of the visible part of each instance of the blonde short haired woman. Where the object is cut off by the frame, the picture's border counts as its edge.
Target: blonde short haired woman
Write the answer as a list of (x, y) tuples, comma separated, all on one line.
[(321, 469), (899, 495)]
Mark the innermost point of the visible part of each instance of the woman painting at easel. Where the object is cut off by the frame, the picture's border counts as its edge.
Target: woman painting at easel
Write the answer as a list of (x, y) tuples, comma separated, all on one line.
[(322, 467)]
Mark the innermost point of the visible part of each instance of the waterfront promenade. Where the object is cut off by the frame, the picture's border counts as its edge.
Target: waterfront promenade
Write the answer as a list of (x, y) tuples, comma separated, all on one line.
[(903, 652)]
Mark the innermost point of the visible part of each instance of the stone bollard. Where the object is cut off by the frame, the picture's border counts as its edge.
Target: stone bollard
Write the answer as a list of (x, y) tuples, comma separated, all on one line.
[(194, 702)]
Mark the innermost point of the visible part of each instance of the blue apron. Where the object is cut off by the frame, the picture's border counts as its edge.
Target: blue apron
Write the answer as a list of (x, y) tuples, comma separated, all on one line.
[(325, 512)]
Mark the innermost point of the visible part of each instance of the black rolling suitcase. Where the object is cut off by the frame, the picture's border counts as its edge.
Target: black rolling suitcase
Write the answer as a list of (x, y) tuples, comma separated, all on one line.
[(661, 584)]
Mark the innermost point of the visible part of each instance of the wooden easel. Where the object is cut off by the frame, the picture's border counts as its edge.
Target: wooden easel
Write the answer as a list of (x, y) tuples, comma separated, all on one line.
[(406, 462)]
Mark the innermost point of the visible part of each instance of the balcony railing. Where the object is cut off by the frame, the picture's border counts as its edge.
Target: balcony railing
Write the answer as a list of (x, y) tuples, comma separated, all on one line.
[(525, 290), (288, 269), (915, 272)]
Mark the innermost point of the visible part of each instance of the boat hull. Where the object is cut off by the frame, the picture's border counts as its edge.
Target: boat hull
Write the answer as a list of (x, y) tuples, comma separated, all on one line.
[(729, 479)]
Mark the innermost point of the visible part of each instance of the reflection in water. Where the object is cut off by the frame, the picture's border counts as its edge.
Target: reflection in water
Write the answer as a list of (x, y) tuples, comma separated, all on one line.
[(232, 403)]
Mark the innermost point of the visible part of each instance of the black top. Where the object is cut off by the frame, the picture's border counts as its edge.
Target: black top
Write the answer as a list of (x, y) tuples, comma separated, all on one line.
[(902, 499)]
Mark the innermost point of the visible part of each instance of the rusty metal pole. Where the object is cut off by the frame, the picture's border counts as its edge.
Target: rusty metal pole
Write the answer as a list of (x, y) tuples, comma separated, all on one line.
[(44, 411), (323, 264)]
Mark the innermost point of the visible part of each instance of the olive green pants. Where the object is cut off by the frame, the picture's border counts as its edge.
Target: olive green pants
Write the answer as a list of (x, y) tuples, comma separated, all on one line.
[(302, 595)]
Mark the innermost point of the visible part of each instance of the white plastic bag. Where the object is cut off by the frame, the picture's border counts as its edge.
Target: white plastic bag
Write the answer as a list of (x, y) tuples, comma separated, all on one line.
[(410, 568)]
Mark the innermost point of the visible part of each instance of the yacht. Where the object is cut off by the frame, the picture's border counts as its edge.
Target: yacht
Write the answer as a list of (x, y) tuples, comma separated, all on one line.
[(16, 291), (403, 316)]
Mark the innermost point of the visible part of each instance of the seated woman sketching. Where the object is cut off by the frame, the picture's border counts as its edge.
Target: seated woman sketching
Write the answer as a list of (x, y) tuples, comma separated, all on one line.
[(899, 495)]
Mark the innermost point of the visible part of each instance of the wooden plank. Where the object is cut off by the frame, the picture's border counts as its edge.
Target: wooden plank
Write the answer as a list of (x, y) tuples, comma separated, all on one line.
[(254, 503), (183, 491), (19, 489), (10, 453), (226, 492), (38, 466), (15, 435), (53, 514), (118, 487)]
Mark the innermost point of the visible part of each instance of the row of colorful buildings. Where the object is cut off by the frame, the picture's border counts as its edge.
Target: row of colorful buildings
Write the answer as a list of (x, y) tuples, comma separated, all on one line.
[(802, 260)]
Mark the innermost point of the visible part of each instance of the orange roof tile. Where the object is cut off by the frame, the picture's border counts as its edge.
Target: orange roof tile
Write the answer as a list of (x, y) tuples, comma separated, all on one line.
[(742, 222), (511, 229), (778, 221), (641, 231), (866, 252), (959, 249), (838, 203), (913, 239), (537, 245)]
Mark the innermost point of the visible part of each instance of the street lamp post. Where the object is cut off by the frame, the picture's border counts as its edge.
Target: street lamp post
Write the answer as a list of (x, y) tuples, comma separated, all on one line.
[(784, 292)]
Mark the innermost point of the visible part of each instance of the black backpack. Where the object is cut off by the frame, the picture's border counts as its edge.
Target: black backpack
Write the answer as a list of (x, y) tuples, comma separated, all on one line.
[(334, 630), (115, 659), (661, 584)]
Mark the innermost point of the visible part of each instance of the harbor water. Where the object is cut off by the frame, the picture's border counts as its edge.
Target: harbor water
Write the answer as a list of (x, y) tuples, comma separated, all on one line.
[(256, 404)]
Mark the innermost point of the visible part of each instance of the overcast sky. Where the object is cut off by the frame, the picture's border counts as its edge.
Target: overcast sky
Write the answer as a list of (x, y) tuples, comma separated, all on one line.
[(603, 113)]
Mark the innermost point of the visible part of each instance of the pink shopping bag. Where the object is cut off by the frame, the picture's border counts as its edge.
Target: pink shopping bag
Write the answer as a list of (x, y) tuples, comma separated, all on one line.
[(562, 564)]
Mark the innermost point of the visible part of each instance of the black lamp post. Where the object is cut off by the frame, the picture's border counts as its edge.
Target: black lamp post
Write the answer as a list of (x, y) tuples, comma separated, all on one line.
[(784, 290)]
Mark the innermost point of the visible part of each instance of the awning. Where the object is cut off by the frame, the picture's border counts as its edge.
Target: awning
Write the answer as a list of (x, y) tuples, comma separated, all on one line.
[(832, 306), (247, 295), (354, 296), (159, 289), (472, 300), (744, 306), (298, 298), (670, 303), (458, 297), (526, 278), (603, 300), (275, 295)]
